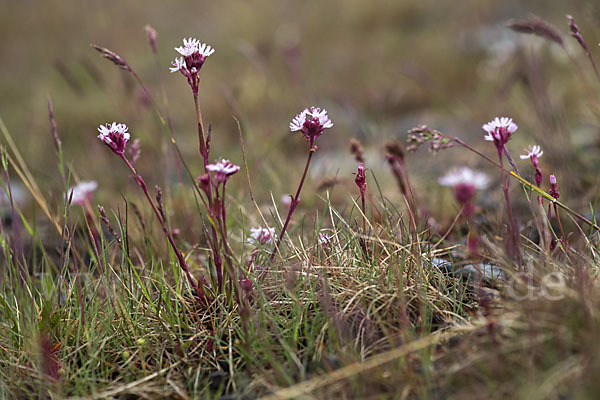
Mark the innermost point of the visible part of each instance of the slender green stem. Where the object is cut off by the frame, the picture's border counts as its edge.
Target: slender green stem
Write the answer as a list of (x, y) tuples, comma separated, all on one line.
[(547, 196)]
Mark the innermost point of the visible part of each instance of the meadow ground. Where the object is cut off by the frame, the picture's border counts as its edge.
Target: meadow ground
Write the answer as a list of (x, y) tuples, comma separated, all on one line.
[(223, 239)]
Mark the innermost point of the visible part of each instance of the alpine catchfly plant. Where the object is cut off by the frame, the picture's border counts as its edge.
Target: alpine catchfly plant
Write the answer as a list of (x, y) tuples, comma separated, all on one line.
[(553, 191), (193, 55), (553, 187), (361, 179), (311, 122), (499, 131), (213, 187), (361, 182), (464, 183), (212, 183), (116, 136), (533, 154)]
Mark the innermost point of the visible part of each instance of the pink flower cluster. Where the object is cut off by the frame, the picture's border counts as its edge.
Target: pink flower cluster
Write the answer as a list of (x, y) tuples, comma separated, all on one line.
[(223, 170), (361, 179), (465, 182), (533, 154), (311, 122), (82, 192), (261, 235), (554, 187), (194, 54), (499, 131), (115, 136)]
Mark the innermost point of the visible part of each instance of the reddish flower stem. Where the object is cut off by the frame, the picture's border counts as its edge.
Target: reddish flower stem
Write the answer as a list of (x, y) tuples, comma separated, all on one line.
[(140, 181), (514, 234), (364, 208), (294, 201), (201, 139)]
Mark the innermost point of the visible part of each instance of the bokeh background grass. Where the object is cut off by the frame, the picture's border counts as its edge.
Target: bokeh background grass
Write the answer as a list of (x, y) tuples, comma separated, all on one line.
[(380, 67)]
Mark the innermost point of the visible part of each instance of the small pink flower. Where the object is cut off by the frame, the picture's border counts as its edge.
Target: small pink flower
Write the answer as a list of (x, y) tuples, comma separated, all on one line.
[(533, 152), (178, 64), (194, 54), (553, 187), (464, 182), (311, 122), (499, 131), (325, 239), (223, 170), (82, 192), (287, 199), (114, 136), (464, 175), (190, 46), (261, 235), (361, 179)]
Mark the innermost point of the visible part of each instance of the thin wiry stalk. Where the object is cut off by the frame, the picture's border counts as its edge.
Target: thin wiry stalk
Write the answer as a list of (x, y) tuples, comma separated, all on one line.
[(201, 137), (57, 143), (294, 204), (514, 233), (162, 119), (139, 180)]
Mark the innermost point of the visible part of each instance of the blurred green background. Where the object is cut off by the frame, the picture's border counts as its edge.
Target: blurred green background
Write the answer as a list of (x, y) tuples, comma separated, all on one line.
[(379, 67)]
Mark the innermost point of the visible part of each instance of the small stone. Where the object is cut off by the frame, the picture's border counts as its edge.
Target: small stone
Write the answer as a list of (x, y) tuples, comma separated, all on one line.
[(477, 272), (444, 266), (217, 379)]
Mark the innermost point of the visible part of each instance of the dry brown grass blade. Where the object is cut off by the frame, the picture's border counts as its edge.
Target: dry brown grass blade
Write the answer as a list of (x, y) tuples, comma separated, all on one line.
[(127, 387), (21, 168), (351, 370)]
